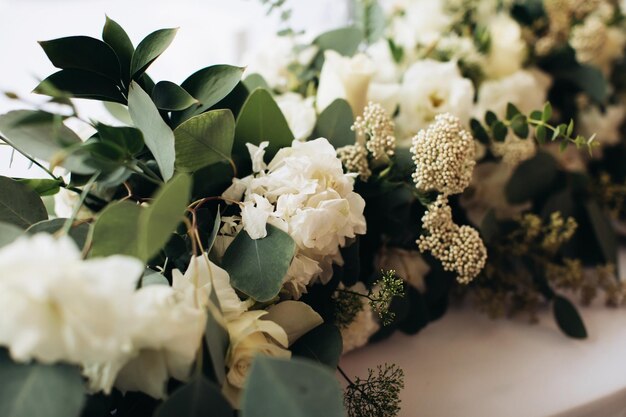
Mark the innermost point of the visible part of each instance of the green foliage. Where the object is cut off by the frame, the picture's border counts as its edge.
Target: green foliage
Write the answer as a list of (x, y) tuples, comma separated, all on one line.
[(346, 307), (80, 84), (290, 388), (388, 287), (172, 97), (343, 40), (198, 398), (322, 344), (335, 123), (42, 186), (158, 136), (377, 395), (204, 140), (370, 18), (19, 204), (38, 390), (78, 233), (8, 233), (216, 339), (118, 40), (149, 49), (260, 119), (257, 266), (568, 319), (254, 81), (603, 231), (531, 178)]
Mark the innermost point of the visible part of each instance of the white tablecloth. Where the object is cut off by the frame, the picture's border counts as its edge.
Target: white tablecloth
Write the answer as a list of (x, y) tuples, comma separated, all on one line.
[(466, 365)]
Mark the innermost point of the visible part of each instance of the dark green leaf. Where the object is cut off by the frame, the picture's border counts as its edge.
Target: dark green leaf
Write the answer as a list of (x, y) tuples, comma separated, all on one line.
[(81, 84), (214, 231), (149, 49), (254, 81), (479, 131), (568, 319), (8, 233), (42, 186), (78, 233), (531, 178), (490, 118), (118, 40), (198, 398), (129, 139), (499, 131), (546, 114), (334, 124), (204, 140), (293, 388), (171, 97), (344, 40), (260, 120), (37, 390), (83, 53), (590, 80), (216, 339), (535, 115), (540, 133), (20, 205), (322, 344), (157, 135), (511, 111), (604, 231), (116, 230), (519, 126), (257, 266)]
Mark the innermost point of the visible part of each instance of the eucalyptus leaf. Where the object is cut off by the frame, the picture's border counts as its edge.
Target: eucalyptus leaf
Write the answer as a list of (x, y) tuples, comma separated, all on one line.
[(149, 49), (568, 319), (345, 41), (78, 233), (603, 231), (38, 390), (42, 186), (531, 178), (479, 132), (81, 84), (116, 230), (157, 135), (8, 233), (83, 53), (172, 97), (198, 398), (291, 388), (19, 204), (257, 266), (254, 81), (370, 18), (204, 140), (322, 344), (499, 131), (261, 120), (117, 38), (334, 124), (216, 338), (118, 111)]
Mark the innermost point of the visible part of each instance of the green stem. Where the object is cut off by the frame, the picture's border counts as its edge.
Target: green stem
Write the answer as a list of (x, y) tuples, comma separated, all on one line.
[(145, 168), (69, 222)]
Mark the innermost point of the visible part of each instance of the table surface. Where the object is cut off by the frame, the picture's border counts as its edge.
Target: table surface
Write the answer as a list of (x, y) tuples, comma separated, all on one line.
[(471, 366)]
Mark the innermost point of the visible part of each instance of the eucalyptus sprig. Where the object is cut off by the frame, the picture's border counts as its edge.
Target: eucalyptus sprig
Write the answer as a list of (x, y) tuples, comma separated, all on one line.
[(496, 130)]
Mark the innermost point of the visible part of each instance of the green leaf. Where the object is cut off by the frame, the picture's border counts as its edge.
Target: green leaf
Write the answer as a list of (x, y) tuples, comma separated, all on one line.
[(531, 179), (260, 119), (37, 390), (118, 40), (149, 49), (257, 266), (570, 128), (294, 388), (198, 398), (217, 339), (568, 319), (209, 85), (20, 205), (42, 186), (499, 131), (546, 114), (83, 53), (479, 132), (116, 230), (172, 97), (541, 133), (151, 277), (511, 111), (128, 139), (334, 124), (118, 111), (8, 233), (204, 140), (78, 233), (163, 215), (519, 125), (157, 135), (216, 228), (371, 19), (254, 81), (603, 231), (322, 344), (80, 84), (590, 80), (346, 40), (535, 115), (490, 118)]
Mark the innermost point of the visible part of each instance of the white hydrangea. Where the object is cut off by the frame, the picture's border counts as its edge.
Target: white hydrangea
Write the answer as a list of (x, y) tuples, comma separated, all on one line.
[(430, 88), (304, 192), (299, 113), (58, 307)]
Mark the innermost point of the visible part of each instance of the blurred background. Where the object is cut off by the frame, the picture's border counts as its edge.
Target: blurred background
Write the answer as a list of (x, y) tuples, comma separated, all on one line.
[(211, 32)]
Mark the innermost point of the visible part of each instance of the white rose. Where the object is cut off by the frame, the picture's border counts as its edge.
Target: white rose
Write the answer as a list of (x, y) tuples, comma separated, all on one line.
[(606, 126), (57, 307), (430, 88), (507, 50), (409, 265), (346, 78), (364, 325), (299, 113)]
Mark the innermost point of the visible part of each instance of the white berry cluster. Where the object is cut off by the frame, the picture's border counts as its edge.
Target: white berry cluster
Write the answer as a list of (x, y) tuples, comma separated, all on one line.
[(354, 159), (443, 156), (377, 128), (459, 248)]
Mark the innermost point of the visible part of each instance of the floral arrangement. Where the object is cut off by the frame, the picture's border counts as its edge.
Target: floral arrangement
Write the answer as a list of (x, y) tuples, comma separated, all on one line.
[(218, 249)]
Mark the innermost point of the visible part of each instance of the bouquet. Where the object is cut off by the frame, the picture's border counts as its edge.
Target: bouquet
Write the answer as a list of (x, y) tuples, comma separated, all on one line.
[(220, 246)]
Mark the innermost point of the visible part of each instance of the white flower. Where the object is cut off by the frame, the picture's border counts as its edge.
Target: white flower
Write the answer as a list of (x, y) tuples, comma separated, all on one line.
[(364, 325), (606, 126), (422, 23), (251, 336), (299, 113), (507, 50), (408, 264), (526, 89), (57, 307), (384, 87), (430, 88), (305, 193), (64, 203), (344, 77)]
